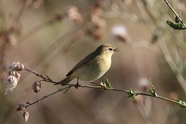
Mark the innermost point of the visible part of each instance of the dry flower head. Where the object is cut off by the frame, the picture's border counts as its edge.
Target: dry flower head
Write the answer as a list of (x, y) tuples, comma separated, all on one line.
[(10, 83), (16, 66), (74, 15), (26, 116), (36, 86), (21, 107)]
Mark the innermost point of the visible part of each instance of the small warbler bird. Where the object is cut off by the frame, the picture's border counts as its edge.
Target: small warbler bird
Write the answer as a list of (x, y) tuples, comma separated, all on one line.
[(93, 66)]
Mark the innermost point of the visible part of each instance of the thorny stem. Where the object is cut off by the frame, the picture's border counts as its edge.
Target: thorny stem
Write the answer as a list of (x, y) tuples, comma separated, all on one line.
[(44, 97), (45, 78), (136, 93), (101, 87), (110, 89), (126, 91)]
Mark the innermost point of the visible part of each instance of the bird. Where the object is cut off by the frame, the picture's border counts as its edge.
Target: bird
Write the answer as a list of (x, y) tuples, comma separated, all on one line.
[(93, 66)]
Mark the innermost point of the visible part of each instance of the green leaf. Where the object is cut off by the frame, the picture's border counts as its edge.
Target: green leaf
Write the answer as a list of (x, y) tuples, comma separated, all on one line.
[(131, 94), (176, 26), (180, 103), (152, 91), (108, 84)]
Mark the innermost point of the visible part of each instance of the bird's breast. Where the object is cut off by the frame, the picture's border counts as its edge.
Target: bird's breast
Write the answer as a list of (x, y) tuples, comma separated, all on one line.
[(95, 69)]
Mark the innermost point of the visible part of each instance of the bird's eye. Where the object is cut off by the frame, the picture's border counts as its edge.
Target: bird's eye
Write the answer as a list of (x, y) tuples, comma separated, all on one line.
[(110, 49)]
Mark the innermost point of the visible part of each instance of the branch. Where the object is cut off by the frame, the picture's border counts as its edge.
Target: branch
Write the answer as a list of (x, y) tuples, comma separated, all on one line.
[(131, 94), (17, 67), (45, 78), (106, 85)]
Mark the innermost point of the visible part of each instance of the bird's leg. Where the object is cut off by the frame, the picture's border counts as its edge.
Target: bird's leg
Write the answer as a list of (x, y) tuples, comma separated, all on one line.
[(77, 84), (102, 87)]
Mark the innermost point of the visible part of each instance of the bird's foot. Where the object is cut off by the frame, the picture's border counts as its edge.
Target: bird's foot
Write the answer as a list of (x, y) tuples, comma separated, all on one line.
[(77, 85), (102, 86)]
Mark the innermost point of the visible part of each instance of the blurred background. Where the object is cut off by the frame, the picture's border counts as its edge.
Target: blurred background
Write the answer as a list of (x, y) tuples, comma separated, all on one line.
[(51, 36)]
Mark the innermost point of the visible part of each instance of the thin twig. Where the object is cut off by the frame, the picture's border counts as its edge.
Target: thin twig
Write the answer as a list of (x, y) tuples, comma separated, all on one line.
[(182, 104), (44, 97), (45, 78), (103, 86)]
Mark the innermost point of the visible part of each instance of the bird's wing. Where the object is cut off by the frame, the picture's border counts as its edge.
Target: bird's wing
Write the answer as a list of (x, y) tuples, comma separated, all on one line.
[(87, 60)]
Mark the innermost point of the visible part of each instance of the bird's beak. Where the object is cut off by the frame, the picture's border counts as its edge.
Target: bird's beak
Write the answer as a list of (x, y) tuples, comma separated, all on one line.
[(116, 49)]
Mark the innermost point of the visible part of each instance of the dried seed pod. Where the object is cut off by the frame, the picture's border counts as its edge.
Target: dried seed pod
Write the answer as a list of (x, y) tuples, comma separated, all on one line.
[(95, 33), (10, 83), (74, 15), (16, 66), (97, 22), (96, 10), (26, 116), (36, 86), (15, 74), (21, 107)]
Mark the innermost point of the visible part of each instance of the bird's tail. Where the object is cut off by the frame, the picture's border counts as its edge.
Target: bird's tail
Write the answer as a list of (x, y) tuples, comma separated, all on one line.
[(65, 81)]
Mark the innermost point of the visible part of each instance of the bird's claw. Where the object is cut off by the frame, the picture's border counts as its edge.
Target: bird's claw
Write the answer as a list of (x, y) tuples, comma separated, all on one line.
[(77, 85), (102, 86)]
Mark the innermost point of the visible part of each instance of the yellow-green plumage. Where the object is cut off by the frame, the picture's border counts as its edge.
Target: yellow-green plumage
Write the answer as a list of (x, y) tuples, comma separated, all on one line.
[(93, 66)]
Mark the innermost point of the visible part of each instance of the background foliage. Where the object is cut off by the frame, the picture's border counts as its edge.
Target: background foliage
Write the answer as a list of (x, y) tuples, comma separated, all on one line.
[(51, 36)]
